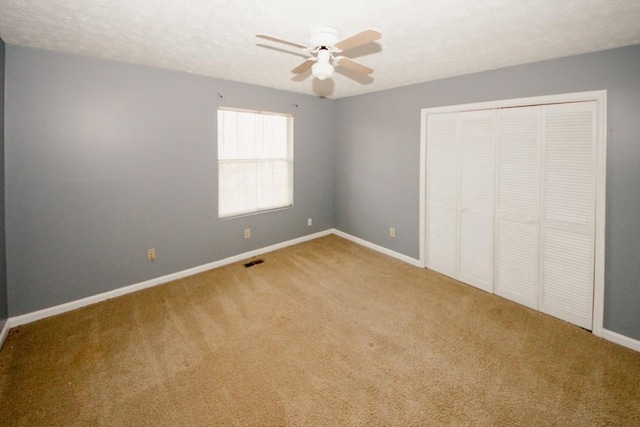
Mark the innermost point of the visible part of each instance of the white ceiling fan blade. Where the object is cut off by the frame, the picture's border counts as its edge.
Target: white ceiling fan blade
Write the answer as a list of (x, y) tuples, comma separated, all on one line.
[(279, 40), (353, 65), (362, 38), (304, 66)]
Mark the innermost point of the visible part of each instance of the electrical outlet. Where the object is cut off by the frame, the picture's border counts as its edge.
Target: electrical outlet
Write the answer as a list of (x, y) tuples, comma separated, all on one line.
[(392, 232), (309, 222), (151, 254), (247, 233)]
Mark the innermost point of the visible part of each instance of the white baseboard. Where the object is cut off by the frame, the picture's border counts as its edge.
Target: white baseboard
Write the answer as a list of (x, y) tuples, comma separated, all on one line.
[(63, 308), (378, 248), (621, 339), (73, 305), (5, 331)]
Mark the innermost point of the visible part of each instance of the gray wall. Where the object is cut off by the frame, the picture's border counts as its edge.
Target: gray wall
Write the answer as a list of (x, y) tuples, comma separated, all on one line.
[(105, 160), (4, 308), (377, 158)]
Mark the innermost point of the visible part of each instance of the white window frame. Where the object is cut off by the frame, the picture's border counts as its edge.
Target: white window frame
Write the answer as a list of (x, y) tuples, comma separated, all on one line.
[(288, 203)]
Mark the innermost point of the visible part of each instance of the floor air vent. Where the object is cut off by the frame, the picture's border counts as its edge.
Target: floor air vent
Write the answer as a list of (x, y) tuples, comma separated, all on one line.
[(252, 263)]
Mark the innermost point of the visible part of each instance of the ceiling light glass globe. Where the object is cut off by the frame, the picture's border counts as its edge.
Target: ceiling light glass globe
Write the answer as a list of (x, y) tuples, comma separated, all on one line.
[(322, 70)]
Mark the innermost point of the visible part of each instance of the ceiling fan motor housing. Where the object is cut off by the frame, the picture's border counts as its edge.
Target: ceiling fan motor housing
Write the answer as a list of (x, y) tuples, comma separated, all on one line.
[(324, 37)]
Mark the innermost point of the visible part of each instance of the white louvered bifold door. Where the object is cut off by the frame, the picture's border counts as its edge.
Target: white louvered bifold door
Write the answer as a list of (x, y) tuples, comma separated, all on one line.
[(511, 204), (476, 200), (442, 193), (517, 204), (568, 212)]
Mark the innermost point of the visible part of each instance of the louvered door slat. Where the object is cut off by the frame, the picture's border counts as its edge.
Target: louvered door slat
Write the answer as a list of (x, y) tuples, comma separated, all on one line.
[(567, 276), (517, 204), (568, 212), (442, 193), (476, 205)]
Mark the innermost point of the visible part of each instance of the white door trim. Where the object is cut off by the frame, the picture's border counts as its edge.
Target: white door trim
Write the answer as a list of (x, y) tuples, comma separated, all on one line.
[(600, 97)]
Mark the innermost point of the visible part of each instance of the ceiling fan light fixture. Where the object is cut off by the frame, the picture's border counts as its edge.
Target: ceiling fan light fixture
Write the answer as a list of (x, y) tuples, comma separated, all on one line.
[(322, 70)]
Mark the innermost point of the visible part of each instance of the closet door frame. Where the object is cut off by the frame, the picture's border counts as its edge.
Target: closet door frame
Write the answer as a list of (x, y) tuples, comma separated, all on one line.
[(600, 97)]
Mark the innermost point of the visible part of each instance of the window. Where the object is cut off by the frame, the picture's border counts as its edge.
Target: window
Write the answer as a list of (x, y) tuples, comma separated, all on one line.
[(255, 162)]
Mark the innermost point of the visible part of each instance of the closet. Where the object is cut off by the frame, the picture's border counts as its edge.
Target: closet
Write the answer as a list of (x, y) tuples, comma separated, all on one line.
[(511, 203)]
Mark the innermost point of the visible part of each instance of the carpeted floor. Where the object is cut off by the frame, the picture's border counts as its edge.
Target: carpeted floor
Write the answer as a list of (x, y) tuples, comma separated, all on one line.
[(323, 333)]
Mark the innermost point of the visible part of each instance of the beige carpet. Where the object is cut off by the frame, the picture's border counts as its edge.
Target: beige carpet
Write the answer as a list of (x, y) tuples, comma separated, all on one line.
[(323, 333)]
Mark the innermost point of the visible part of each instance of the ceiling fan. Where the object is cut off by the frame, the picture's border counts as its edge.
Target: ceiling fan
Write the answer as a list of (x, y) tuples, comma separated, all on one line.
[(323, 44)]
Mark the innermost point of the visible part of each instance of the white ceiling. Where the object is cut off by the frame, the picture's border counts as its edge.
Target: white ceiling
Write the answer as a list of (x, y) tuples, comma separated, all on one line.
[(422, 40)]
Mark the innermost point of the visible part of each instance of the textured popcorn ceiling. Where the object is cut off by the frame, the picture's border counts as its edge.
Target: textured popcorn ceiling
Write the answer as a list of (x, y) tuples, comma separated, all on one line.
[(422, 40)]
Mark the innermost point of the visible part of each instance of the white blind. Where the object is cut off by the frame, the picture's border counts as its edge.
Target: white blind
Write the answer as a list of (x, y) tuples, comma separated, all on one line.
[(255, 162)]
